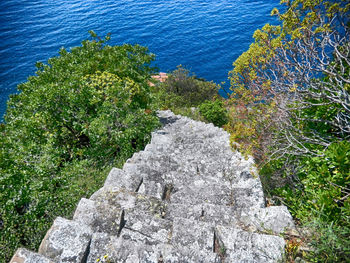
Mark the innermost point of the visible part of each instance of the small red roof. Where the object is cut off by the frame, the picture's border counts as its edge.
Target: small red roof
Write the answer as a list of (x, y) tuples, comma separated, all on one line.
[(161, 77)]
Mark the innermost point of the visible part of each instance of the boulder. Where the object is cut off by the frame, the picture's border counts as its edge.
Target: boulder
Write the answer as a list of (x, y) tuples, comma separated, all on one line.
[(66, 241)]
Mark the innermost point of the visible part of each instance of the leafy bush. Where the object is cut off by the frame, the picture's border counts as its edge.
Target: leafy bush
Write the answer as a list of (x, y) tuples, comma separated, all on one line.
[(183, 90), (251, 127), (289, 108), (87, 110), (298, 65), (215, 112), (330, 241), (323, 188), (319, 199)]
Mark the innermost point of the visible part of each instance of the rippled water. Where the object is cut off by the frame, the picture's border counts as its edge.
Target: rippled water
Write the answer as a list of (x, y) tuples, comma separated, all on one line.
[(205, 36)]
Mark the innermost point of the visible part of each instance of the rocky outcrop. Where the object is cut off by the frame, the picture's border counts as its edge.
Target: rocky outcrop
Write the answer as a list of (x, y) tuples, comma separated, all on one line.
[(186, 198)]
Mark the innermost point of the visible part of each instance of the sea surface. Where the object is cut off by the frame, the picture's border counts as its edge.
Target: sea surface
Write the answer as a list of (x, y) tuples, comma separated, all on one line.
[(205, 36)]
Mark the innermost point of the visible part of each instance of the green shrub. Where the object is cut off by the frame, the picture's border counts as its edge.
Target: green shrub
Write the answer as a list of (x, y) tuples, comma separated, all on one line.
[(323, 187), (181, 89), (330, 241), (215, 112), (87, 110), (319, 198), (252, 128), (290, 112)]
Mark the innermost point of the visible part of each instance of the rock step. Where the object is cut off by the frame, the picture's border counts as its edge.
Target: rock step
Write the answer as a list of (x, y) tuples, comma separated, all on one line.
[(113, 200), (134, 212), (246, 192), (186, 198), (237, 245), (105, 248), (232, 244), (66, 241), (107, 204), (70, 241)]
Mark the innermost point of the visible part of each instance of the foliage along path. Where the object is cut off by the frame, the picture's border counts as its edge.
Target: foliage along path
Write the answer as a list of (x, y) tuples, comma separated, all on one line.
[(186, 198)]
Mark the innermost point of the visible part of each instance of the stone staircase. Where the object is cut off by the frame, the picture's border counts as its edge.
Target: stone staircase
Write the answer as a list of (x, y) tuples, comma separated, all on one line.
[(186, 198)]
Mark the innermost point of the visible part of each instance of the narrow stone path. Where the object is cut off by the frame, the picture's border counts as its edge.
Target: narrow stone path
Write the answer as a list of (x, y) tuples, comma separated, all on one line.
[(186, 198)]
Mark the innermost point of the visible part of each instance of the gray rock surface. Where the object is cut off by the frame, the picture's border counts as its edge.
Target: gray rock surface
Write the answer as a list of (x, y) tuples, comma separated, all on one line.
[(273, 219), (186, 198), (243, 246), (25, 256), (66, 241)]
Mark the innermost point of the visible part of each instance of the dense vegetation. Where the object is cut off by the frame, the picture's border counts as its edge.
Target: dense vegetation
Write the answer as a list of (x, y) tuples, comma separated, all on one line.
[(185, 94), (290, 109), (92, 107), (85, 111)]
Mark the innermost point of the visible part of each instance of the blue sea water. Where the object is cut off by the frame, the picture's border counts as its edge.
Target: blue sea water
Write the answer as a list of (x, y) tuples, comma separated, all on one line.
[(205, 36)]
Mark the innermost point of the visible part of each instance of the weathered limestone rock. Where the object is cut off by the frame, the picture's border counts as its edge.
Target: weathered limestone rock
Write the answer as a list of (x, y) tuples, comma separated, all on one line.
[(113, 197), (105, 248), (186, 198), (25, 256), (241, 246), (273, 220), (199, 238), (217, 214), (66, 241), (86, 212), (118, 178)]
